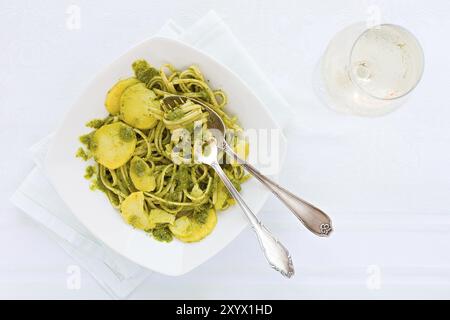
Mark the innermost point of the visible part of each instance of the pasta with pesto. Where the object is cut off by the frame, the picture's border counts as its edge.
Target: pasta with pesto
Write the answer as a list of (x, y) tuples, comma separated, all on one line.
[(134, 157)]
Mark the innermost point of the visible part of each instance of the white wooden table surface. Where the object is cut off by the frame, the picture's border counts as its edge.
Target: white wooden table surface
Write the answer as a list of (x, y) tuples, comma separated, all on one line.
[(385, 181)]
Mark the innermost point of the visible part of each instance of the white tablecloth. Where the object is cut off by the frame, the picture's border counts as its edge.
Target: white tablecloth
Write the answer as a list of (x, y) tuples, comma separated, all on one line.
[(384, 181)]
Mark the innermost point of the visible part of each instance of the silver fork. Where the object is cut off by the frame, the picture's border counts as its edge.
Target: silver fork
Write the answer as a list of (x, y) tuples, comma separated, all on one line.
[(276, 254), (314, 219)]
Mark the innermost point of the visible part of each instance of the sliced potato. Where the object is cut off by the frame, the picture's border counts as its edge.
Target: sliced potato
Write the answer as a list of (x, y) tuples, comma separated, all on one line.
[(160, 216), (241, 148), (199, 231), (112, 102), (182, 227), (134, 106), (132, 211), (140, 174), (196, 191), (113, 144), (220, 196)]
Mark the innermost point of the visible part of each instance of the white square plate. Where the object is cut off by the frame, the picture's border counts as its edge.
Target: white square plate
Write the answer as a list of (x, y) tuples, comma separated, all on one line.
[(93, 209)]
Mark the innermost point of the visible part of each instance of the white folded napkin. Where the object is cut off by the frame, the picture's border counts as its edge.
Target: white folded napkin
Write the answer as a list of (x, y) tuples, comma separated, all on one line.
[(37, 198)]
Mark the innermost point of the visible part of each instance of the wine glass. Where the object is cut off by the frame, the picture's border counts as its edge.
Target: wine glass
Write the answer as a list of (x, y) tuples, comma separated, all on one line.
[(369, 71)]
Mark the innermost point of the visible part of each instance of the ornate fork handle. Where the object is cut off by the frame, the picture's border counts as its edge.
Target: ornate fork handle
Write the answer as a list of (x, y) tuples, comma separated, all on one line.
[(312, 217), (276, 254)]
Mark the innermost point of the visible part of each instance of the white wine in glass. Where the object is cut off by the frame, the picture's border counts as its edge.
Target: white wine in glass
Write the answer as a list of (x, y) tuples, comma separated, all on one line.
[(369, 71)]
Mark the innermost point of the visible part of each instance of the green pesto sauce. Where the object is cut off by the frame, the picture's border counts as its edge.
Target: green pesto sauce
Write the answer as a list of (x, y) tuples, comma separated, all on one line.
[(89, 172), (97, 184), (183, 178), (173, 196), (143, 71), (93, 145), (200, 216), (139, 168), (82, 154), (86, 139), (236, 184), (95, 123), (126, 134), (162, 233), (203, 95), (174, 114)]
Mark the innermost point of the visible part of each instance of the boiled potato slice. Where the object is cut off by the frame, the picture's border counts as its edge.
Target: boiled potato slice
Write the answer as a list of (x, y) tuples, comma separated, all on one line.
[(113, 144), (182, 227), (134, 106), (160, 216), (112, 102), (220, 196), (241, 148), (199, 231), (140, 174), (196, 191), (132, 211)]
